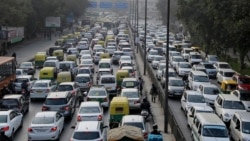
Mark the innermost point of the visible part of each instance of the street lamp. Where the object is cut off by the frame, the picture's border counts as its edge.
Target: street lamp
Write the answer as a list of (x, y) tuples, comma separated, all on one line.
[(145, 36), (166, 74)]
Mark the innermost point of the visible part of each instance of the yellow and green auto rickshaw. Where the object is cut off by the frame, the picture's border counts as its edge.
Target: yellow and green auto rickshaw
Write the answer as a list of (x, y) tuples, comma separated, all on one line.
[(48, 73), (196, 49), (64, 76), (120, 75), (100, 43), (59, 42), (104, 56), (119, 106), (59, 54), (228, 85), (40, 58), (71, 57)]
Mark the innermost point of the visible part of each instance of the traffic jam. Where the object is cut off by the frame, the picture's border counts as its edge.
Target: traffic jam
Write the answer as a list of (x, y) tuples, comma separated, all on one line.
[(90, 77)]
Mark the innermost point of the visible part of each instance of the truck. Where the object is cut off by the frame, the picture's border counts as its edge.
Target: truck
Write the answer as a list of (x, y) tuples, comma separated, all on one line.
[(11, 34)]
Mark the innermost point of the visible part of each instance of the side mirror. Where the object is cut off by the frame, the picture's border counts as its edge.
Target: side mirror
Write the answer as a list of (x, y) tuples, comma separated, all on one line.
[(199, 131)]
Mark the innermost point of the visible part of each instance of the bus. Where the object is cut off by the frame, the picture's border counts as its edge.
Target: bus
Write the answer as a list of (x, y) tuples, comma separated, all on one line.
[(7, 71)]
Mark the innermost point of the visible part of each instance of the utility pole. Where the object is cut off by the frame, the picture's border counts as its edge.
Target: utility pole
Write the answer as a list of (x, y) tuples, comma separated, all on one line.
[(145, 37)]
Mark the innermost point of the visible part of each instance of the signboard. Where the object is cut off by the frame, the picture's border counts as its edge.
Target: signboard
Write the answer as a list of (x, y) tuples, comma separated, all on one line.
[(92, 4), (53, 22), (105, 4), (121, 5)]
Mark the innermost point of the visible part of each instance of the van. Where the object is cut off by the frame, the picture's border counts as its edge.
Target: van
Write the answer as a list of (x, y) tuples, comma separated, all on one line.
[(209, 127), (105, 64), (109, 82), (240, 126), (52, 63)]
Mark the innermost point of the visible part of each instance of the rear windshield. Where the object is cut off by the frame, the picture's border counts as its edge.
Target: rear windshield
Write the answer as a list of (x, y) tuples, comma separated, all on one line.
[(104, 65), (3, 118), (108, 80), (97, 93), (83, 71), (86, 135), (64, 88), (43, 120), (135, 124), (20, 80), (86, 110), (40, 85), (49, 64), (8, 103), (55, 101), (82, 79)]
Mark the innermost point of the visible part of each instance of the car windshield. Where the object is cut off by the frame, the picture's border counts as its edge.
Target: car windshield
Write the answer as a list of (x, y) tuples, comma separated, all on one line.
[(185, 66), (158, 58), (82, 79), (178, 60), (196, 56), (135, 124), (214, 131), (86, 62), (40, 85), (211, 91), (64, 65), (83, 71), (87, 110), (8, 103), (89, 135), (55, 101), (196, 99), (18, 72), (171, 74), (49, 64), (224, 66), (213, 58), (209, 66), (130, 94), (43, 120), (233, 105), (198, 78), (245, 96), (108, 80), (104, 65), (177, 83), (228, 74), (26, 65), (246, 127), (97, 93), (62, 88), (3, 118), (154, 53)]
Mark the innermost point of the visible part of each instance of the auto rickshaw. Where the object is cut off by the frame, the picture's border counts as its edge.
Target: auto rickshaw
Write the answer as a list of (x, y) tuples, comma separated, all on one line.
[(59, 54), (48, 73), (64, 76), (120, 75), (196, 49), (104, 55), (228, 85), (59, 42), (125, 133), (100, 43), (119, 106), (71, 57), (40, 58)]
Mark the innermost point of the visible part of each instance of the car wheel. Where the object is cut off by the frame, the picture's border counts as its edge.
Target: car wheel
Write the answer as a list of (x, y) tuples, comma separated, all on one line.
[(28, 109), (12, 135), (21, 124)]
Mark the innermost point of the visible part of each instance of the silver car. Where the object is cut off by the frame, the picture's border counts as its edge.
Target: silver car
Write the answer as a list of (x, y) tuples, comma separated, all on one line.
[(41, 88), (84, 81), (175, 87), (133, 97)]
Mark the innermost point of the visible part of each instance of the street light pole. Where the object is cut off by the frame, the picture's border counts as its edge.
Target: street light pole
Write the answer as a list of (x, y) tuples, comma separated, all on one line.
[(137, 19), (134, 14), (145, 36), (166, 74)]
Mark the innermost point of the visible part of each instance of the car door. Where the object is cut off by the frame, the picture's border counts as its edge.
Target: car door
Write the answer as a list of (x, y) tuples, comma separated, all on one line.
[(219, 76), (218, 106), (15, 120), (60, 121), (183, 101)]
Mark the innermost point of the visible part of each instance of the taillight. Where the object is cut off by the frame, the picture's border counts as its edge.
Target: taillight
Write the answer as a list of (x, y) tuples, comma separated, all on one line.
[(45, 108), (138, 101), (6, 128), (99, 117), (54, 129), (88, 99), (145, 135), (30, 130), (79, 118)]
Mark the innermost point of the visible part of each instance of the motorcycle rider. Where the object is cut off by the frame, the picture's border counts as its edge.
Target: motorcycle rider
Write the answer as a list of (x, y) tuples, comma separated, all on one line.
[(25, 86), (11, 87), (155, 130), (146, 106)]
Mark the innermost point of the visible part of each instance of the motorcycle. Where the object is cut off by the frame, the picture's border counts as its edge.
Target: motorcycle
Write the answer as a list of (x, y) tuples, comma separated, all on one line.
[(145, 114)]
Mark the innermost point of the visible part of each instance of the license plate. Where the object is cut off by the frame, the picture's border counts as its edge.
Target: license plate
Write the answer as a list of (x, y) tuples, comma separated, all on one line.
[(39, 91), (109, 88), (177, 93), (40, 130)]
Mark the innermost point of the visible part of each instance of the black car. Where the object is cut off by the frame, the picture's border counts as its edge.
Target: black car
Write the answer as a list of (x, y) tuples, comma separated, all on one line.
[(52, 49), (15, 102)]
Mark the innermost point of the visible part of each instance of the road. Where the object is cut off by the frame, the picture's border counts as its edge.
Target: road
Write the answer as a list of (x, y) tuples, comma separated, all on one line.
[(36, 106)]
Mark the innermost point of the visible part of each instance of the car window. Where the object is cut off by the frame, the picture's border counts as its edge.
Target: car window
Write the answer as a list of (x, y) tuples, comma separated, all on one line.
[(86, 135), (40, 85), (3, 118), (246, 127), (85, 110), (8, 103), (65, 88), (176, 83), (130, 94), (211, 91), (20, 80), (43, 120), (13, 115), (82, 71), (104, 65), (82, 79), (108, 80), (196, 99), (97, 93), (129, 84), (198, 78), (214, 131), (135, 124), (56, 101), (58, 116)]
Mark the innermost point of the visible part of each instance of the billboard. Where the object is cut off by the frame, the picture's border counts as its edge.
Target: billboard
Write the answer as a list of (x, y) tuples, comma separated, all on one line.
[(105, 4), (92, 4), (121, 5), (53, 22)]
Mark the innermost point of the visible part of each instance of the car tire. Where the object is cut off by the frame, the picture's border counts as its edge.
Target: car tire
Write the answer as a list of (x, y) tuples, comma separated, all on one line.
[(12, 135), (21, 124), (28, 109)]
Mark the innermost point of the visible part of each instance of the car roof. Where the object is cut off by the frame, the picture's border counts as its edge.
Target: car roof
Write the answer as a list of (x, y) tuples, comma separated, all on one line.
[(45, 114), (24, 76), (202, 108), (209, 85), (107, 75), (192, 92), (129, 79), (132, 118), (199, 73), (244, 116), (41, 81), (5, 112), (175, 78), (90, 103), (12, 96), (130, 90), (57, 94), (87, 126), (83, 75), (67, 83), (229, 97)]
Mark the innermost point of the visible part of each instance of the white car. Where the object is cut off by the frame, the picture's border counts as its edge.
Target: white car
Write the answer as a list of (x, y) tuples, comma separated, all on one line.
[(20, 72), (46, 126), (221, 65), (197, 109), (85, 56), (87, 63), (224, 74), (90, 111), (244, 96), (98, 93), (197, 78), (155, 62), (226, 105), (83, 45), (128, 51), (151, 55), (211, 59), (159, 70), (10, 122), (183, 68), (125, 58), (73, 51), (133, 97), (175, 60), (191, 98), (210, 92)]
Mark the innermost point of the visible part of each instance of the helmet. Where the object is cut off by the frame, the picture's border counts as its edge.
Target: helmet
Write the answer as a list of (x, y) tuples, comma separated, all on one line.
[(144, 99), (155, 127)]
